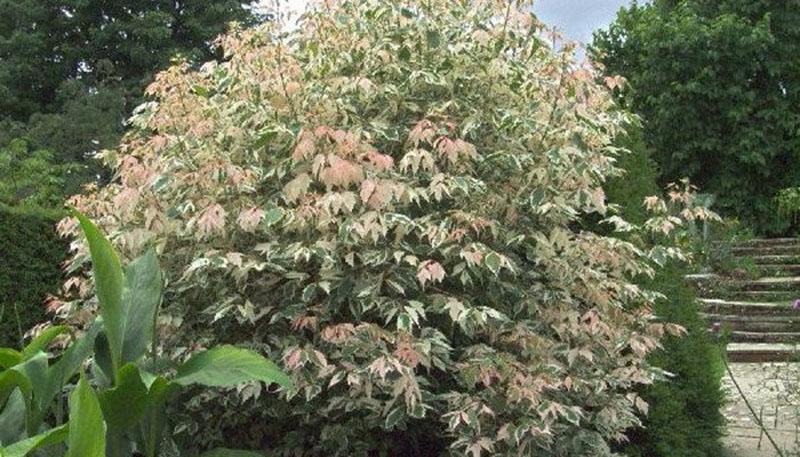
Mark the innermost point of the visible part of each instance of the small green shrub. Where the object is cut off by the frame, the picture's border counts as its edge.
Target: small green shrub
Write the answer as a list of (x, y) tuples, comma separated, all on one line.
[(788, 203), (30, 254)]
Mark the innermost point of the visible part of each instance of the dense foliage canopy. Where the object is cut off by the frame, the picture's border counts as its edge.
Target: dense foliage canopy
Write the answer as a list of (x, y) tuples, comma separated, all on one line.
[(71, 70), (718, 85), (386, 199)]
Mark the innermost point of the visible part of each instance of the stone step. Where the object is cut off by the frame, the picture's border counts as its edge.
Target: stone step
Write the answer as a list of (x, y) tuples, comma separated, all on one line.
[(752, 295), (758, 323), (777, 269), (741, 308), (766, 242), (747, 251), (776, 259), (714, 281), (758, 353), (762, 337), (787, 283)]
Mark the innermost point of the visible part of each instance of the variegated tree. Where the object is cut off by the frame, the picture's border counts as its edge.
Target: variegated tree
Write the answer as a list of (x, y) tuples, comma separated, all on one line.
[(387, 199)]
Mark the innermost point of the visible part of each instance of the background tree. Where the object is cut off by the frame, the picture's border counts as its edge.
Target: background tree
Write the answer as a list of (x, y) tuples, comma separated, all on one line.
[(71, 71), (717, 83)]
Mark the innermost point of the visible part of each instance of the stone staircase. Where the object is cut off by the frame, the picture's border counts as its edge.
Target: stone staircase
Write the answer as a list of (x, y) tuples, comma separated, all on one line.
[(757, 313)]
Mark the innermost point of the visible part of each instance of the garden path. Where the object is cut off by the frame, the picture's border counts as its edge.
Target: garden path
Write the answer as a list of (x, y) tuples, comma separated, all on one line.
[(764, 330)]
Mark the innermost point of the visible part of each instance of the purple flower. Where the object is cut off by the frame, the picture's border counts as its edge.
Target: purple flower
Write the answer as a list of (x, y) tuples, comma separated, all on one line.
[(796, 305)]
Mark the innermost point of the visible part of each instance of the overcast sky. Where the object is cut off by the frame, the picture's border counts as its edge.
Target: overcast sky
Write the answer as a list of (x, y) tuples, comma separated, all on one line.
[(576, 18)]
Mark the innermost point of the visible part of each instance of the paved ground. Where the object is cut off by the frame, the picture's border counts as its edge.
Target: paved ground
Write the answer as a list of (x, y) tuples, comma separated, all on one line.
[(768, 387)]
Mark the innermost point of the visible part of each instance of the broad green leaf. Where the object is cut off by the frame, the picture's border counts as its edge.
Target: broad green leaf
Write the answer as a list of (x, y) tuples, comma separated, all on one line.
[(41, 342), (68, 364), (124, 405), (109, 284), (10, 380), (222, 452), (12, 418), (9, 357), (35, 370), (140, 301), (226, 366), (87, 431), (102, 356), (154, 421), (26, 446)]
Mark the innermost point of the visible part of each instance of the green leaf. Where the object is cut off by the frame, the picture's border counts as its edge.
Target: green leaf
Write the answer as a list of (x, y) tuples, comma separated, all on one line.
[(222, 452), (201, 90), (24, 447), (9, 357), (41, 342), (35, 371), (272, 216), (109, 283), (226, 366), (102, 356), (154, 421), (124, 405), (433, 38), (12, 418), (140, 301), (87, 431), (10, 380), (493, 262), (69, 363), (404, 322), (394, 417), (407, 13)]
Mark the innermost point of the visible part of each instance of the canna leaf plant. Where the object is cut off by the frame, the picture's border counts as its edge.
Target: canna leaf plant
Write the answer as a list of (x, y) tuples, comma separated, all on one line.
[(120, 409)]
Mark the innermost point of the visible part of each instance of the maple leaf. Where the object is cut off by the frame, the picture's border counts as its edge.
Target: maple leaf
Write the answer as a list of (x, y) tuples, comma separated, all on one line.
[(250, 218), (297, 187), (211, 220), (430, 271)]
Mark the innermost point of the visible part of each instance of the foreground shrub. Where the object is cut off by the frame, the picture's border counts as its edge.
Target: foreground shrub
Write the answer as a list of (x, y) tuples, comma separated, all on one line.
[(30, 254), (386, 198), (124, 414)]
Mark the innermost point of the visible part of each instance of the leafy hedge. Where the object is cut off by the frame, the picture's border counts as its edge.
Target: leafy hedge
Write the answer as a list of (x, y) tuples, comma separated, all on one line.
[(29, 268), (684, 417)]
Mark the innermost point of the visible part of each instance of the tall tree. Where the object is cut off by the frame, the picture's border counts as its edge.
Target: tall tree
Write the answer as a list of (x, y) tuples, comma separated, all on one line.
[(72, 70), (718, 85)]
